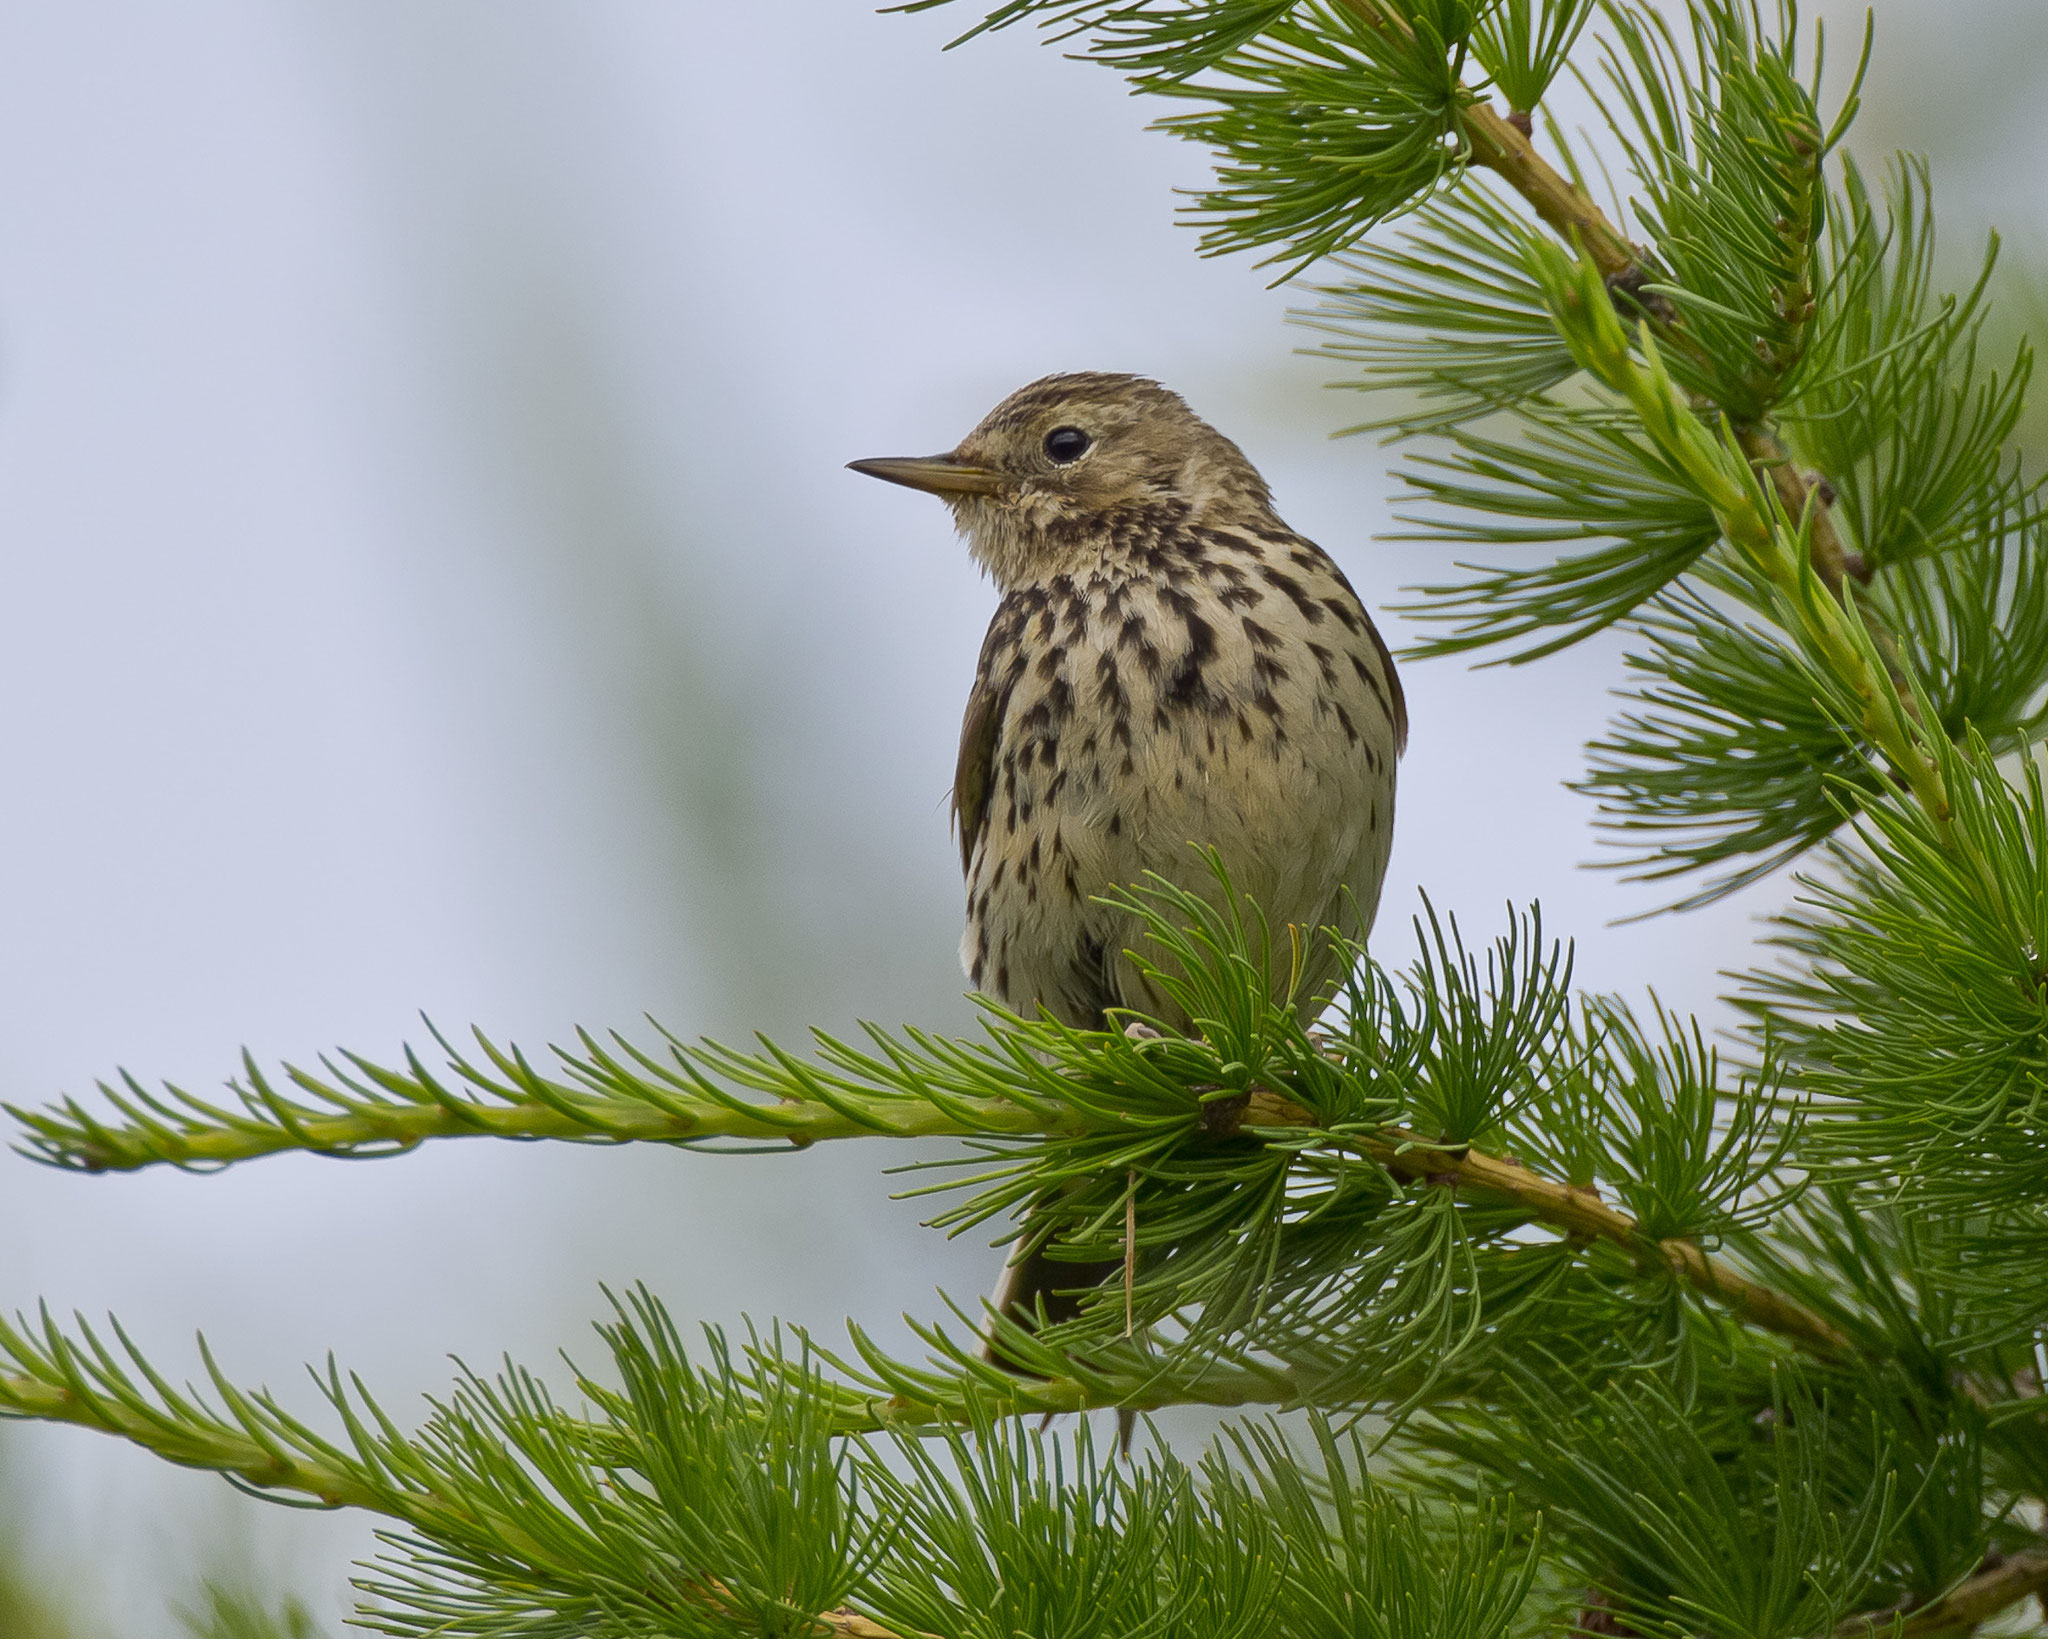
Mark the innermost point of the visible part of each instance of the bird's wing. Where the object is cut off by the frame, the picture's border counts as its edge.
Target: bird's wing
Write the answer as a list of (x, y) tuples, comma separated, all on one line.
[(1397, 708), (974, 775)]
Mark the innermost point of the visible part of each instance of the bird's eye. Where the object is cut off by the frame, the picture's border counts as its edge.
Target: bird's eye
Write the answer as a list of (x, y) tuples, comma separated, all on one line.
[(1066, 444)]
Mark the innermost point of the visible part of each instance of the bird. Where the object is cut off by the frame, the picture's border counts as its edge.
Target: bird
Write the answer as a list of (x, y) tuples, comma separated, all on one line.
[(1170, 671)]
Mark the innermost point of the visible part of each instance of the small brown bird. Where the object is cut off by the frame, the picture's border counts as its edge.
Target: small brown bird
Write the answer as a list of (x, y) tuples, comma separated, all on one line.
[(1171, 668)]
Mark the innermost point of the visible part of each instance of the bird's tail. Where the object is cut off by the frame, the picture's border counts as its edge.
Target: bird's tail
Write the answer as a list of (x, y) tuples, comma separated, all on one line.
[(1036, 1291)]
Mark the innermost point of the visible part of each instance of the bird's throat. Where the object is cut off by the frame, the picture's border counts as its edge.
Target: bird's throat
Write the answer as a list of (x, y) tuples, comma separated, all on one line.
[(1025, 538)]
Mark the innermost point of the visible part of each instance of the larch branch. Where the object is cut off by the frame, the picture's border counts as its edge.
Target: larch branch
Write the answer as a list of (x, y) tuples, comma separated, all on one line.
[(1579, 1213), (1997, 1587)]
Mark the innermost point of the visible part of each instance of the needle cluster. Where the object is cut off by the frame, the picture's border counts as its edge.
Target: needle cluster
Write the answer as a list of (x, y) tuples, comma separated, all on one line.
[(1590, 1322)]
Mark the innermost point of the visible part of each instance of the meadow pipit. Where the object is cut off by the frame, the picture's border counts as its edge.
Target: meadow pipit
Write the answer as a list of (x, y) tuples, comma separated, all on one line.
[(1171, 669)]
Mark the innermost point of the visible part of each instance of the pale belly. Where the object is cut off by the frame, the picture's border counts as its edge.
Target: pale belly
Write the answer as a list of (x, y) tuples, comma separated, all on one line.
[(1282, 763)]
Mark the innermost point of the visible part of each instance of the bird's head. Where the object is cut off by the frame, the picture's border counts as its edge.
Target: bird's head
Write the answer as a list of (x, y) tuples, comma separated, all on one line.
[(1068, 468)]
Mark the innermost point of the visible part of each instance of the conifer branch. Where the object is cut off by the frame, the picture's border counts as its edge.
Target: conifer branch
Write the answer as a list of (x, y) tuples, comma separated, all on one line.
[(852, 1625), (1563, 206), (1292, 1236), (1499, 144), (1581, 1214), (1998, 1587), (1831, 560), (214, 1446), (1501, 147), (379, 1110), (260, 1446), (1751, 519), (371, 1110)]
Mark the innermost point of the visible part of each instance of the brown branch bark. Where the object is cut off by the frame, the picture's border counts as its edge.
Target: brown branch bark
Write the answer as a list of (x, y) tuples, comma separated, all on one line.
[(852, 1625), (1579, 1213), (1499, 145), (1502, 144), (1977, 1600), (1832, 561)]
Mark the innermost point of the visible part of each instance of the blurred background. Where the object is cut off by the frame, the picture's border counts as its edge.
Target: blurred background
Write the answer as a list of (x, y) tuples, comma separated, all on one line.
[(429, 583)]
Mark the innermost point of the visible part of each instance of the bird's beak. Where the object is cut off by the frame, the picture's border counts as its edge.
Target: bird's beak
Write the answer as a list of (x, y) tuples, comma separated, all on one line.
[(936, 474)]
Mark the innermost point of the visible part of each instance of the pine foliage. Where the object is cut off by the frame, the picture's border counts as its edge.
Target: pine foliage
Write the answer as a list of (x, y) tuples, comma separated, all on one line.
[(1591, 1322)]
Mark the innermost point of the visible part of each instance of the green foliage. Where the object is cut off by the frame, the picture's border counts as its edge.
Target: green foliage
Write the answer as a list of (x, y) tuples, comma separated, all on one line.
[(1446, 314), (1284, 1258), (226, 1612), (710, 1504), (1972, 623), (1730, 757), (1897, 407), (1942, 1348), (1012, 1533), (1645, 1112), (1687, 1515), (1755, 1347), (1736, 755), (1328, 123), (1275, 1241), (1571, 474), (1326, 116), (1915, 1000), (1774, 291), (1170, 38), (1365, 1564), (1522, 44), (1727, 144), (715, 1498), (1479, 1039)]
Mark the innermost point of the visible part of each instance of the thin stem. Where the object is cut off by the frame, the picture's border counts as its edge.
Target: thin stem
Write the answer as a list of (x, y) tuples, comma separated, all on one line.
[(1831, 559), (1499, 143), (410, 1111), (1499, 146), (853, 1625), (1581, 1214), (1833, 629), (1969, 1603), (411, 1114), (218, 1449)]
